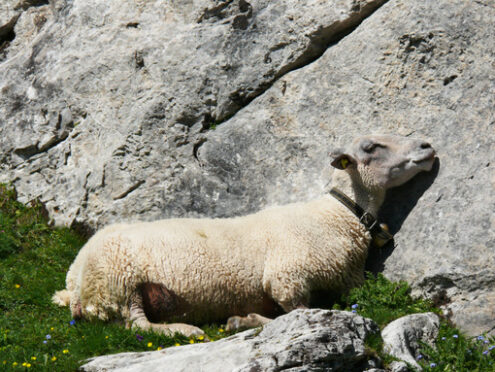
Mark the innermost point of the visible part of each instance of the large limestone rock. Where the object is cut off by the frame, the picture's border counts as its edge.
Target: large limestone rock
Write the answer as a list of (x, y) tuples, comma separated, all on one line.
[(303, 340), (122, 110)]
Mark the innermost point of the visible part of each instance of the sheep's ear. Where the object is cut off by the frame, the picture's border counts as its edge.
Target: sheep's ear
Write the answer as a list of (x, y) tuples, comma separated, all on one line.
[(341, 160)]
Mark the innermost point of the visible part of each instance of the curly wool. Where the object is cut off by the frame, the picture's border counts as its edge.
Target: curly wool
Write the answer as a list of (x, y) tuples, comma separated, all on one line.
[(221, 267)]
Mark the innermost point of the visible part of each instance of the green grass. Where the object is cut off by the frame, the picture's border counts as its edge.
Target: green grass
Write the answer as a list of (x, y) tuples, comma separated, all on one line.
[(38, 335)]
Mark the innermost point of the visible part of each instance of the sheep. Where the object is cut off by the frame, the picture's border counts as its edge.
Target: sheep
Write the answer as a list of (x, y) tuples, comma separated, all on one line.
[(152, 275)]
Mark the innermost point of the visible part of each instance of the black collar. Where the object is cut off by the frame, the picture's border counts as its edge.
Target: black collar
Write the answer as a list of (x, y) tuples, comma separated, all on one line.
[(378, 231)]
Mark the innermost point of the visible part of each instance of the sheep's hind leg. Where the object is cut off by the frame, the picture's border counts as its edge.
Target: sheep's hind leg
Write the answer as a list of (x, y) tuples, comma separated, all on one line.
[(235, 323), (139, 319)]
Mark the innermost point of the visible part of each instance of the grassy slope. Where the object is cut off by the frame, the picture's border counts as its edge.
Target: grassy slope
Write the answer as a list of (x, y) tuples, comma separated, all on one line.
[(37, 335)]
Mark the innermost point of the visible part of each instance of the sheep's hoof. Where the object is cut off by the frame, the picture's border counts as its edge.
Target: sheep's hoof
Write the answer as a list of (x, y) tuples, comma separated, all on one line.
[(253, 320), (234, 323)]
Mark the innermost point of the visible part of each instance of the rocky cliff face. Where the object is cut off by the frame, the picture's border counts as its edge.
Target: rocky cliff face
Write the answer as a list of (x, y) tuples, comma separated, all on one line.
[(125, 110)]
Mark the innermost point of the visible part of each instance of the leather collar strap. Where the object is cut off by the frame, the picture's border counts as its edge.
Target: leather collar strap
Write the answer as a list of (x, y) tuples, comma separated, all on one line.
[(378, 233)]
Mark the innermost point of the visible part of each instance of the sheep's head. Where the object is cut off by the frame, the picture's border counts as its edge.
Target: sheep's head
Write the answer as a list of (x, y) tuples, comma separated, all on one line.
[(384, 161)]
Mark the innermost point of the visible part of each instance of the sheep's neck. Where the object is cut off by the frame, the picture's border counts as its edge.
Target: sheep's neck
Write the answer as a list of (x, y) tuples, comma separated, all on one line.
[(369, 200)]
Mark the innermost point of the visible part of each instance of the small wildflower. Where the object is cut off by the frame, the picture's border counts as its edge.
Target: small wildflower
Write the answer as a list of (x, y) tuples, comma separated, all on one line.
[(485, 352), (221, 330), (54, 358), (444, 338), (419, 357), (4, 362), (72, 322), (17, 286), (48, 337), (201, 338), (354, 311), (191, 341), (14, 364), (177, 344), (52, 329), (45, 341), (159, 348), (486, 342), (480, 338), (106, 337), (455, 336), (24, 364), (28, 365), (433, 365), (139, 337), (33, 358), (65, 351), (491, 347), (355, 306), (150, 344)]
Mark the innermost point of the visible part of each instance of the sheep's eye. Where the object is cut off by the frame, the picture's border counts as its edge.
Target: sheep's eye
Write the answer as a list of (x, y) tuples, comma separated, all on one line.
[(369, 146)]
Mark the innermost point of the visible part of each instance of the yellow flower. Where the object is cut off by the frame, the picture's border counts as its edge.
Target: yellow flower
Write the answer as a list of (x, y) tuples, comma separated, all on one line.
[(150, 344), (54, 358), (33, 358), (221, 330), (14, 364), (18, 286), (4, 362), (201, 338), (177, 344), (24, 364), (191, 341), (65, 351), (106, 337), (51, 329), (28, 365), (158, 348)]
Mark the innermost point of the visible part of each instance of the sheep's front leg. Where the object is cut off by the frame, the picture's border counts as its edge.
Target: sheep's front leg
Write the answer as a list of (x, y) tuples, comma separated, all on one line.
[(235, 323), (139, 320)]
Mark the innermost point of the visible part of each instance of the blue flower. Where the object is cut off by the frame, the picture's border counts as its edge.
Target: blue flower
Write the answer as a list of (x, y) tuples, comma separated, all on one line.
[(485, 352), (419, 357), (72, 322), (139, 337), (355, 306), (48, 337), (45, 341), (455, 336), (491, 347), (480, 338), (433, 365), (486, 342), (354, 311), (444, 338)]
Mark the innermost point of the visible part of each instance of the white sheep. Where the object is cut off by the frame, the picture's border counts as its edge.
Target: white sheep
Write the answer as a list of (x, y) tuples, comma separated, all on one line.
[(205, 270)]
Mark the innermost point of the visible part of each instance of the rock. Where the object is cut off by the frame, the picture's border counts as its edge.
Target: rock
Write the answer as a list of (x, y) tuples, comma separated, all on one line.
[(398, 367), (401, 338), (303, 340), (117, 111), (143, 83), (413, 68)]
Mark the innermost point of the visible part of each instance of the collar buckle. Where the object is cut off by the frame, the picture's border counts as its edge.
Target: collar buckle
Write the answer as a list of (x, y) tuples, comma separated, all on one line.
[(368, 220)]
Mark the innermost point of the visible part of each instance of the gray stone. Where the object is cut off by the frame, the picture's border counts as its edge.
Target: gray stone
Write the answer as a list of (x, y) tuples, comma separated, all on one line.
[(143, 83), (413, 68), (398, 367), (303, 340), (402, 338)]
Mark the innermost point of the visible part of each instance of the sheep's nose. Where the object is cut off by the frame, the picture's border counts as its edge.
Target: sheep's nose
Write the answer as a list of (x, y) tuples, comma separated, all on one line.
[(425, 145)]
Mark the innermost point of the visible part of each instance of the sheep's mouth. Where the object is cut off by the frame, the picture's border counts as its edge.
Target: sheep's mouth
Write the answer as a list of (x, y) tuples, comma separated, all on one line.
[(425, 159)]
